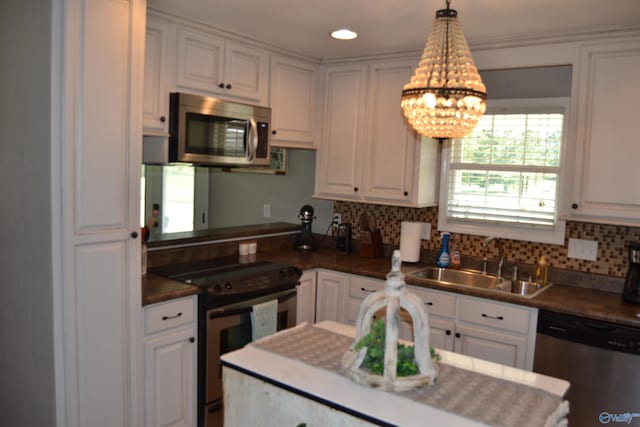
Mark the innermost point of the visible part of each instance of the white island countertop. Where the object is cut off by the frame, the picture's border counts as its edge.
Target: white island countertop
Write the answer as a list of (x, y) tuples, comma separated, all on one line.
[(370, 405)]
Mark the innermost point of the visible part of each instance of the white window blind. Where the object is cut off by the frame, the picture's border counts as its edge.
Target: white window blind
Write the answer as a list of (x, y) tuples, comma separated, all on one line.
[(507, 171)]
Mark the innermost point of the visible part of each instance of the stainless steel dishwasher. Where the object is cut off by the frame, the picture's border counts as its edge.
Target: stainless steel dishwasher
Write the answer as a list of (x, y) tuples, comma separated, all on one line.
[(601, 361)]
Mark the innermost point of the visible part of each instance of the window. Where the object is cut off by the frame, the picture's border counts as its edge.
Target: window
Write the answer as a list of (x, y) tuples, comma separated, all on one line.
[(181, 192), (177, 197), (504, 178)]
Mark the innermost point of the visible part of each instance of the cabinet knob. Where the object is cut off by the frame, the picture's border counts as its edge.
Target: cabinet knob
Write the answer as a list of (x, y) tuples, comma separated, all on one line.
[(458, 335), (355, 189), (273, 132), (448, 332), (192, 339), (221, 85), (163, 119), (574, 206), (134, 234), (228, 86), (406, 193)]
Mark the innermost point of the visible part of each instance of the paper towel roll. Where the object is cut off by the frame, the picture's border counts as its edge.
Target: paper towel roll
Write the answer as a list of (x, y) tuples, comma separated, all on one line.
[(410, 242)]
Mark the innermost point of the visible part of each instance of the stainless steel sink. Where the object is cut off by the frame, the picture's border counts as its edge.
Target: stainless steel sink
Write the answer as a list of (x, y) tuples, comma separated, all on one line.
[(527, 289), (477, 279)]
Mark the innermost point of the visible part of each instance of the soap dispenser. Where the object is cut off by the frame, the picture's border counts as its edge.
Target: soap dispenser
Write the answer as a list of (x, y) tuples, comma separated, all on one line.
[(542, 272), (444, 257)]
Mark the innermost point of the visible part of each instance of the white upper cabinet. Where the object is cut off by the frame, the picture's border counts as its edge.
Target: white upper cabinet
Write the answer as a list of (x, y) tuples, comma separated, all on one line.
[(156, 96), (606, 173), (339, 160), (293, 102), (369, 152), (393, 151), (211, 64)]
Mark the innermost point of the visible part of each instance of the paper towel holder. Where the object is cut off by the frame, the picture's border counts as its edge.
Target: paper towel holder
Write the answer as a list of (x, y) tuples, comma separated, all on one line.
[(411, 234)]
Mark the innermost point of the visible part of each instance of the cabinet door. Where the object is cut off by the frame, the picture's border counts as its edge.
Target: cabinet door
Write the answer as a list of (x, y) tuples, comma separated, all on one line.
[(391, 142), (306, 298), (441, 333), (330, 296), (605, 186), (170, 379), (293, 100), (246, 73), (359, 288), (102, 49), (338, 174), (156, 94), (483, 343), (200, 61)]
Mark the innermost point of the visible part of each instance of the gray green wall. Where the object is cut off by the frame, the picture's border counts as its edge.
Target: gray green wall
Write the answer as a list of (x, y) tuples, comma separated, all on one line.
[(27, 379), (238, 198)]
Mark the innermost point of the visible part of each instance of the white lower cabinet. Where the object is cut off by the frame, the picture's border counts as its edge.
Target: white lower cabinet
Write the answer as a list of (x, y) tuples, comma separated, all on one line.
[(490, 330), (170, 363), (331, 296), (306, 298), (484, 343)]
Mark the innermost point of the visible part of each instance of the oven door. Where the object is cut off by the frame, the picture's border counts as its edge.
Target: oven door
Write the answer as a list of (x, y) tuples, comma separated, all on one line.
[(229, 329)]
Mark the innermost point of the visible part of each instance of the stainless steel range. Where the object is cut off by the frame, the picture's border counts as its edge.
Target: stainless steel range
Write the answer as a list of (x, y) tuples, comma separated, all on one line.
[(228, 291)]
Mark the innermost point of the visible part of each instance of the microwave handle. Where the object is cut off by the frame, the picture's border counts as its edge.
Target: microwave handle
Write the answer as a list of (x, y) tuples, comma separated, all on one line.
[(253, 139)]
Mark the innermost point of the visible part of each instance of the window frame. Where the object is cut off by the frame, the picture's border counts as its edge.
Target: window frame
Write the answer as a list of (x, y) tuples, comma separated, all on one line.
[(553, 235)]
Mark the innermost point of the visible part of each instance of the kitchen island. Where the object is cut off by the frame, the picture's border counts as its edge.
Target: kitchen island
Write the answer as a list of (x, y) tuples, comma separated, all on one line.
[(263, 387)]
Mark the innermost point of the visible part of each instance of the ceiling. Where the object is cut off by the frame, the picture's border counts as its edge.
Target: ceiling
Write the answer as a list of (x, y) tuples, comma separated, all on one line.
[(384, 26)]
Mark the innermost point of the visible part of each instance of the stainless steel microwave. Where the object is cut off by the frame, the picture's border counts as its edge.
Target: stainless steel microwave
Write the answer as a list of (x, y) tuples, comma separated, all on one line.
[(213, 132)]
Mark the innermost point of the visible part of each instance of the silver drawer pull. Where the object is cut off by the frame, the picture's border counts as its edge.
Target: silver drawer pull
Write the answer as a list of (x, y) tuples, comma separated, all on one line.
[(172, 317), (367, 290), (492, 317)]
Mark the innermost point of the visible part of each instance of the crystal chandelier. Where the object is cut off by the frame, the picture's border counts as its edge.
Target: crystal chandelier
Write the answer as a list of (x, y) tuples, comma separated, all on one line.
[(445, 97)]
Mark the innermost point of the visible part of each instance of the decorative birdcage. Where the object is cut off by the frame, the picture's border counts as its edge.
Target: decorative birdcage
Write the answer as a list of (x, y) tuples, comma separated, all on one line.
[(393, 298)]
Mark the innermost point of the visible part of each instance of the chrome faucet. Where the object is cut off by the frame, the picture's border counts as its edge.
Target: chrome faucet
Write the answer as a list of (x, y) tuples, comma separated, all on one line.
[(486, 242)]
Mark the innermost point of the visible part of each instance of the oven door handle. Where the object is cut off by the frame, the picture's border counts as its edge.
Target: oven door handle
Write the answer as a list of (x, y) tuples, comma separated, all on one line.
[(248, 304)]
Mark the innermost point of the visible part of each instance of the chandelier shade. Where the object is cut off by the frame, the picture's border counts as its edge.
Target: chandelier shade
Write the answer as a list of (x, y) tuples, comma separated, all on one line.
[(445, 97)]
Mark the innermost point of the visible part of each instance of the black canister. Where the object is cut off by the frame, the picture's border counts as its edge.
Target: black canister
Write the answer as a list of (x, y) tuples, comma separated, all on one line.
[(631, 292), (343, 237)]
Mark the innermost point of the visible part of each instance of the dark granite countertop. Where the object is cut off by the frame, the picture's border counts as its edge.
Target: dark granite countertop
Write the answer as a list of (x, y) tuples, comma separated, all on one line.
[(157, 289), (561, 298)]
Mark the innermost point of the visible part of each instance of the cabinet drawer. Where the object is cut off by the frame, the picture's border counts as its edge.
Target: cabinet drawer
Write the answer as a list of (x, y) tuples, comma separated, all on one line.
[(361, 287), (494, 315), (163, 316), (438, 304)]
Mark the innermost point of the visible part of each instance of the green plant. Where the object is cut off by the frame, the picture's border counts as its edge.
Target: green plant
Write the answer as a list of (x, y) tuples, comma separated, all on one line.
[(374, 359)]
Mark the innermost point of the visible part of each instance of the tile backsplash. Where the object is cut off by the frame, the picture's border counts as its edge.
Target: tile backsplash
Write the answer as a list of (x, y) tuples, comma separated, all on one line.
[(612, 254)]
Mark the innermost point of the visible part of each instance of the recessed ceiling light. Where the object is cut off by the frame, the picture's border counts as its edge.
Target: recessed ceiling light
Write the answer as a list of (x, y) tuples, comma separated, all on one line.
[(344, 34)]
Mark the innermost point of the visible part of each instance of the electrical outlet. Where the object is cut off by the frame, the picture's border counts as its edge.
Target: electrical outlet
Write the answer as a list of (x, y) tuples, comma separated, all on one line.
[(337, 219), (583, 249), (426, 231), (266, 211)]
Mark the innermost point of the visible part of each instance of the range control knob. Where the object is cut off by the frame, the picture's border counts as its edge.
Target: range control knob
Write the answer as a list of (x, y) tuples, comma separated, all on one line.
[(217, 288), (227, 285), (282, 274)]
